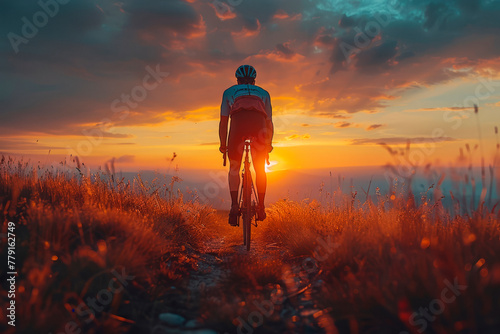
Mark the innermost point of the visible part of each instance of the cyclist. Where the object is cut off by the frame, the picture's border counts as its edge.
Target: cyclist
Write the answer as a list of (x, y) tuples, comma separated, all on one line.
[(250, 110)]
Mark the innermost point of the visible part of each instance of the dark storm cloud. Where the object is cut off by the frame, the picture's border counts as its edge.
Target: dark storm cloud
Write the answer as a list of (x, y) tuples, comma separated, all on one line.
[(419, 28), (163, 15), (264, 10), (89, 53), (347, 22), (377, 56), (436, 15), (285, 50)]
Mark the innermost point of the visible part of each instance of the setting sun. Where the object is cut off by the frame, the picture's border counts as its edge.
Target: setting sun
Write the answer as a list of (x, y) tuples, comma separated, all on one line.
[(269, 168)]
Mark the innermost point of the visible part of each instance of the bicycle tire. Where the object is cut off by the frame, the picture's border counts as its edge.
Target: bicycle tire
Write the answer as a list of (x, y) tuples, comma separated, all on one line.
[(247, 204)]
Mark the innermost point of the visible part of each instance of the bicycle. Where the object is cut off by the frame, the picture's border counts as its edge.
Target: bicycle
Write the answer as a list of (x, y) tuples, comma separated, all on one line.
[(247, 200)]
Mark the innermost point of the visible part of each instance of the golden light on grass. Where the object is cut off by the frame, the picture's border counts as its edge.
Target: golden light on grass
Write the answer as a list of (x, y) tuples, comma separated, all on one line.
[(425, 243), (469, 239), (102, 247), (54, 258)]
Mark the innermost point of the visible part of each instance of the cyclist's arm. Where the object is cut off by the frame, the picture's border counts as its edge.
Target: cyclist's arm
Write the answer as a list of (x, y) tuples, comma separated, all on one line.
[(270, 133), (224, 120), (269, 122)]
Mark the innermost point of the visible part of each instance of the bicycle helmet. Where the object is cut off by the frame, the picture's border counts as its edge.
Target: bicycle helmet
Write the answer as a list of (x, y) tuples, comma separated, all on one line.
[(246, 71)]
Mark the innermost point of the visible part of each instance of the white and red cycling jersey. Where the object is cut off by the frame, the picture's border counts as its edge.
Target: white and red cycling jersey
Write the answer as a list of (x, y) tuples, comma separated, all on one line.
[(246, 97)]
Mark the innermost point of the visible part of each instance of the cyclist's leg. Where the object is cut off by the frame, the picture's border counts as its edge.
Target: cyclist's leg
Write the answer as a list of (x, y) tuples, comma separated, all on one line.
[(234, 174), (259, 161), (235, 153)]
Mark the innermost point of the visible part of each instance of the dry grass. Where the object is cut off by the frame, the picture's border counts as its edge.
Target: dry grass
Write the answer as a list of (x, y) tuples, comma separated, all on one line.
[(379, 263), (352, 267), (382, 265), (74, 230)]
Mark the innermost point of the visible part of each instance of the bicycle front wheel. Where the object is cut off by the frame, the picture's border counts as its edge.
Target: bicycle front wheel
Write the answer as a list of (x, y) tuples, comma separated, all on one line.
[(247, 225)]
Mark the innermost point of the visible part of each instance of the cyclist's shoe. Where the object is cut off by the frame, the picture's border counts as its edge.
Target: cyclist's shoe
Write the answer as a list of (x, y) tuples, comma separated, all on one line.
[(261, 213), (233, 215)]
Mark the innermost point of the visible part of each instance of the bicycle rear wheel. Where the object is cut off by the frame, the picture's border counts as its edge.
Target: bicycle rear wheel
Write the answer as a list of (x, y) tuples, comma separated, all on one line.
[(247, 208)]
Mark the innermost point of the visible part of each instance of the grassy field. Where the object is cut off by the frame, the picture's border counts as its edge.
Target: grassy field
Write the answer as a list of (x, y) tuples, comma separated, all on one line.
[(79, 236), (104, 256)]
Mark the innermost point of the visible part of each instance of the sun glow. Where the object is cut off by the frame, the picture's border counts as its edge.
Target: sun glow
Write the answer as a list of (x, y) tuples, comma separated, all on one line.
[(269, 168)]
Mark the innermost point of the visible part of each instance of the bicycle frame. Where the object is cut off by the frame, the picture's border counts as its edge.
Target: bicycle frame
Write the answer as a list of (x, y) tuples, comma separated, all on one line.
[(247, 205)]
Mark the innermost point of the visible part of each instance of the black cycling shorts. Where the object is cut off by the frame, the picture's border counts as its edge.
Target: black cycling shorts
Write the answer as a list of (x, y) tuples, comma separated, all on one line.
[(246, 124)]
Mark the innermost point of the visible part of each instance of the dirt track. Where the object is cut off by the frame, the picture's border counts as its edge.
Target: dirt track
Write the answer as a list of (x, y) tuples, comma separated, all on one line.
[(214, 268)]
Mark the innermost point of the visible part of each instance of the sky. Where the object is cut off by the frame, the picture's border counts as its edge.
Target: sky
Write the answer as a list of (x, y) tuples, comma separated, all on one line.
[(350, 81)]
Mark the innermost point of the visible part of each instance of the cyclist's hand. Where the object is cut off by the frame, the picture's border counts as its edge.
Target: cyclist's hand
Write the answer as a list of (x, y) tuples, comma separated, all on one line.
[(223, 149), (270, 148)]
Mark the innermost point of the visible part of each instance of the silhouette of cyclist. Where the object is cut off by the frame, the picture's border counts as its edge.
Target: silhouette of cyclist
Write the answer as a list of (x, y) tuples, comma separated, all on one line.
[(250, 110)]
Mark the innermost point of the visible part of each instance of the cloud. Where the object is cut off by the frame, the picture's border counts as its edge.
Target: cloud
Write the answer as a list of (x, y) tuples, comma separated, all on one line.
[(23, 145), (317, 125), (125, 159), (121, 144), (223, 10), (343, 124), (377, 56), (297, 136), (374, 126), (284, 50), (400, 140), (331, 115), (89, 55), (438, 109), (115, 135), (347, 22), (160, 19)]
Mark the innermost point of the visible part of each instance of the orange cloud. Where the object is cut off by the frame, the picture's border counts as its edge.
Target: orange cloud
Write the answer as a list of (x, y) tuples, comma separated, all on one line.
[(383, 97), (296, 136), (282, 15), (275, 56), (247, 32), (224, 12)]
